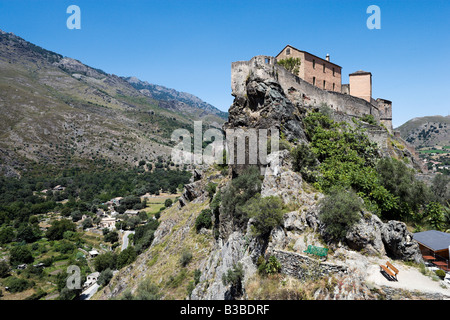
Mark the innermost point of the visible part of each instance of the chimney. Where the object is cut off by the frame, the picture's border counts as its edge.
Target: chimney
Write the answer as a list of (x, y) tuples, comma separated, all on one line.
[(328, 57)]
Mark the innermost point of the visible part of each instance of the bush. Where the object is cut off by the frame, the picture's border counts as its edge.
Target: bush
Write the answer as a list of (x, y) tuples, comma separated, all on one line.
[(17, 285), (185, 258), (20, 254), (272, 266), (203, 220), (168, 203), (126, 257), (4, 269), (267, 213), (105, 261), (440, 273), (239, 191), (339, 211), (105, 276), (56, 231), (305, 161)]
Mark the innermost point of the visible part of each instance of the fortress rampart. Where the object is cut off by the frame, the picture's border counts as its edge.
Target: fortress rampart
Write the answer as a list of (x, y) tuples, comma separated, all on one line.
[(304, 93)]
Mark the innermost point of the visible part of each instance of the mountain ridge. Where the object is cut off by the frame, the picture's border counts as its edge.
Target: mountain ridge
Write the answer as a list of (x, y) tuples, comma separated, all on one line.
[(58, 111), (426, 131)]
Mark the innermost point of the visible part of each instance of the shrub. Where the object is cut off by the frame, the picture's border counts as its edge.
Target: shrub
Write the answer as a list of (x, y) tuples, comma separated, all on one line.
[(440, 273), (339, 210), (239, 191), (234, 277), (56, 231), (104, 261), (105, 276), (168, 203), (185, 258), (266, 212), (20, 254), (203, 220), (17, 285), (126, 257), (305, 161)]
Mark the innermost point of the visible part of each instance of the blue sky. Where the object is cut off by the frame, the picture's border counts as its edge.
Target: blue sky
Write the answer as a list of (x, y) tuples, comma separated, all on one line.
[(189, 45)]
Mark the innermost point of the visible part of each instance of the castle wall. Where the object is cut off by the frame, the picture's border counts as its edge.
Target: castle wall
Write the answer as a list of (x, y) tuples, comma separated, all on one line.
[(295, 88), (385, 107)]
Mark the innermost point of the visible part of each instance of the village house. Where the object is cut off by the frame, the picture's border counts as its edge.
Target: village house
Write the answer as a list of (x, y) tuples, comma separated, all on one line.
[(109, 223), (132, 212), (116, 200), (91, 279), (93, 253)]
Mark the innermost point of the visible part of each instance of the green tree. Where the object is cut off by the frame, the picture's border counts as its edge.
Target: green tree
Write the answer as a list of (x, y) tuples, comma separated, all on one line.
[(339, 211), (291, 64), (203, 220), (267, 213), (305, 161), (105, 261), (234, 277), (435, 214), (168, 203), (104, 277), (125, 257), (239, 191), (4, 269), (20, 254), (58, 227)]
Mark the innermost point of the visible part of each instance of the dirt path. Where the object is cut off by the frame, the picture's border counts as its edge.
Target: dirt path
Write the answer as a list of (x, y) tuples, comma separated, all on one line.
[(409, 278)]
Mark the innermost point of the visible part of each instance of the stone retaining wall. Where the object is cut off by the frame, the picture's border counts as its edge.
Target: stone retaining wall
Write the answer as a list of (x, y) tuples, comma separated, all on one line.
[(304, 267)]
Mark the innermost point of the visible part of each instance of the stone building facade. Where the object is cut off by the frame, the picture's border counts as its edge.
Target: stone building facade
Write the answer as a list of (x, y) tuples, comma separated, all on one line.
[(327, 76), (321, 73)]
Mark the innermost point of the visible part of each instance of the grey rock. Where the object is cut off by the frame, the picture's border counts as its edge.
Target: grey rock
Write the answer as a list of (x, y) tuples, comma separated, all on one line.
[(399, 243), (366, 235)]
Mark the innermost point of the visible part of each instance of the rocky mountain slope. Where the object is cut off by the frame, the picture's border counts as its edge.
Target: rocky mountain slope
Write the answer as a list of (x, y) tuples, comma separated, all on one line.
[(57, 111), (426, 131), (225, 261)]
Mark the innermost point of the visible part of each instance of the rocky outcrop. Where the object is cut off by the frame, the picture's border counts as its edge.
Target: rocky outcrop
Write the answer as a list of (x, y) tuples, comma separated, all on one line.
[(366, 235), (399, 242), (191, 192), (264, 106)]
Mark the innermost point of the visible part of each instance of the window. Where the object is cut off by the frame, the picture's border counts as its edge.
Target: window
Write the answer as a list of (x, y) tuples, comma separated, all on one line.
[(324, 83), (267, 60), (324, 67), (333, 72), (314, 64), (314, 81), (333, 87), (288, 51)]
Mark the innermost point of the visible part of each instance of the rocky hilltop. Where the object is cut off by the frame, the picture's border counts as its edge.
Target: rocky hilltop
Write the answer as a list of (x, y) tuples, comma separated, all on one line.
[(426, 131), (228, 259)]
